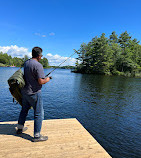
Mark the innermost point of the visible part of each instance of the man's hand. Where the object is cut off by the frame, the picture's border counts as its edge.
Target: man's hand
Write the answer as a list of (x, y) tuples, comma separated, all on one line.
[(43, 80)]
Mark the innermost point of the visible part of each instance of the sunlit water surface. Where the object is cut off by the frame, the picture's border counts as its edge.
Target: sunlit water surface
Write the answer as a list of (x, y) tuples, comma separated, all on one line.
[(109, 107)]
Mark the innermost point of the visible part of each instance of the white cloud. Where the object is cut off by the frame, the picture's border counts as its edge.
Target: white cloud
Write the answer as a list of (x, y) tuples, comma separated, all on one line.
[(55, 60), (49, 54), (15, 51), (38, 34), (52, 34), (43, 35)]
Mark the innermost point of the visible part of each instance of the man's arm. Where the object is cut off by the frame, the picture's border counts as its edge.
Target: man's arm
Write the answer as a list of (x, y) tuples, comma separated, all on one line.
[(43, 81)]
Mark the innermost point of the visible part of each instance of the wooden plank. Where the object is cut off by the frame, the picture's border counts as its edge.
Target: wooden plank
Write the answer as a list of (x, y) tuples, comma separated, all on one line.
[(67, 139)]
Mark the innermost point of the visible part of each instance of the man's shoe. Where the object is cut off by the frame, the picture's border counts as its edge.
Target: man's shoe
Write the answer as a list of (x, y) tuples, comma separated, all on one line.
[(39, 139), (20, 131)]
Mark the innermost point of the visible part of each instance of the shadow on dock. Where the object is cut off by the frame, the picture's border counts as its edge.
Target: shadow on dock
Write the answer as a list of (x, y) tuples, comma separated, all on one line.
[(10, 129)]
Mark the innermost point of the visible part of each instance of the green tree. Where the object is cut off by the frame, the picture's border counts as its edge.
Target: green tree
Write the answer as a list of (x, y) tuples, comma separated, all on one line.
[(3, 58), (81, 52), (127, 58), (124, 40), (44, 62), (18, 62), (110, 55), (25, 58), (102, 55), (113, 37)]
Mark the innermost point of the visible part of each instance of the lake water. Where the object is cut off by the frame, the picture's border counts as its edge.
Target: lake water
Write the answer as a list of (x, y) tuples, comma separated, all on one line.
[(109, 107)]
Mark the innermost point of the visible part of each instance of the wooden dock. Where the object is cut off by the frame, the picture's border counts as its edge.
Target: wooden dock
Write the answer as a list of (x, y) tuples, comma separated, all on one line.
[(67, 139)]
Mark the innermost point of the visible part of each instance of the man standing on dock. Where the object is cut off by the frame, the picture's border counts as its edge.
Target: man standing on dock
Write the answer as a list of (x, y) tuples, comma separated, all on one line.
[(31, 94)]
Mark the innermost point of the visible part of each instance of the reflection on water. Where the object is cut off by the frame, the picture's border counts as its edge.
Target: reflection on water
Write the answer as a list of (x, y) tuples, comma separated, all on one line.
[(109, 107), (112, 106)]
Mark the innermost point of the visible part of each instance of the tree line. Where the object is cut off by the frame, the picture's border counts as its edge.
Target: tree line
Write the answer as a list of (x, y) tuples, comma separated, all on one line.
[(116, 55), (7, 60)]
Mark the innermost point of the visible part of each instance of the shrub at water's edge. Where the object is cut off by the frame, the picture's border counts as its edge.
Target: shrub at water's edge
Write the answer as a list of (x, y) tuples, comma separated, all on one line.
[(2, 65), (111, 56)]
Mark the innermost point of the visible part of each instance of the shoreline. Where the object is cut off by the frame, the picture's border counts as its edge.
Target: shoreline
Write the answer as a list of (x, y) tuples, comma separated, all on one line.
[(136, 75)]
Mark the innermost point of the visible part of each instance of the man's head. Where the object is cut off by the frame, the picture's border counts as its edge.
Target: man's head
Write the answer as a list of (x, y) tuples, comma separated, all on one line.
[(37, 53)]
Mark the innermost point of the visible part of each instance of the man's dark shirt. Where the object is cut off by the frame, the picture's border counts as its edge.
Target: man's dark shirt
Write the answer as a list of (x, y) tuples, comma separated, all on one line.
[(33, 70)]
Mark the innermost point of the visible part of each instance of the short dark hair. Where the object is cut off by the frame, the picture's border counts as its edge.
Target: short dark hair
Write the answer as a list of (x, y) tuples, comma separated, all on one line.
[(36, 51)]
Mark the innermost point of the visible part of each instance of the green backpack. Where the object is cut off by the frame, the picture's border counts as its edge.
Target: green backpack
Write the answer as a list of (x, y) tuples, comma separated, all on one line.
[(16, 83)]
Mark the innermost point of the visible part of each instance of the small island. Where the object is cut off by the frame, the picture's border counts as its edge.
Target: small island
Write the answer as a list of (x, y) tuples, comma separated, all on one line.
[(110, 56)]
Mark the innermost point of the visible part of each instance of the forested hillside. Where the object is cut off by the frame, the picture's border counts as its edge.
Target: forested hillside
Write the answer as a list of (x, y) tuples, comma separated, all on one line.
[(7, 60)]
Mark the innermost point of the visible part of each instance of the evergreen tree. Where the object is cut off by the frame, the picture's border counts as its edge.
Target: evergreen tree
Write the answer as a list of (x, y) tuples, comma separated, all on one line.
[(113, 37), (111, 55)]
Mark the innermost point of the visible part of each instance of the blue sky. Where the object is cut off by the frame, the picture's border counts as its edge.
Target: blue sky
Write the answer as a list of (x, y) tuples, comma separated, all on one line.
[(59, 26)]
